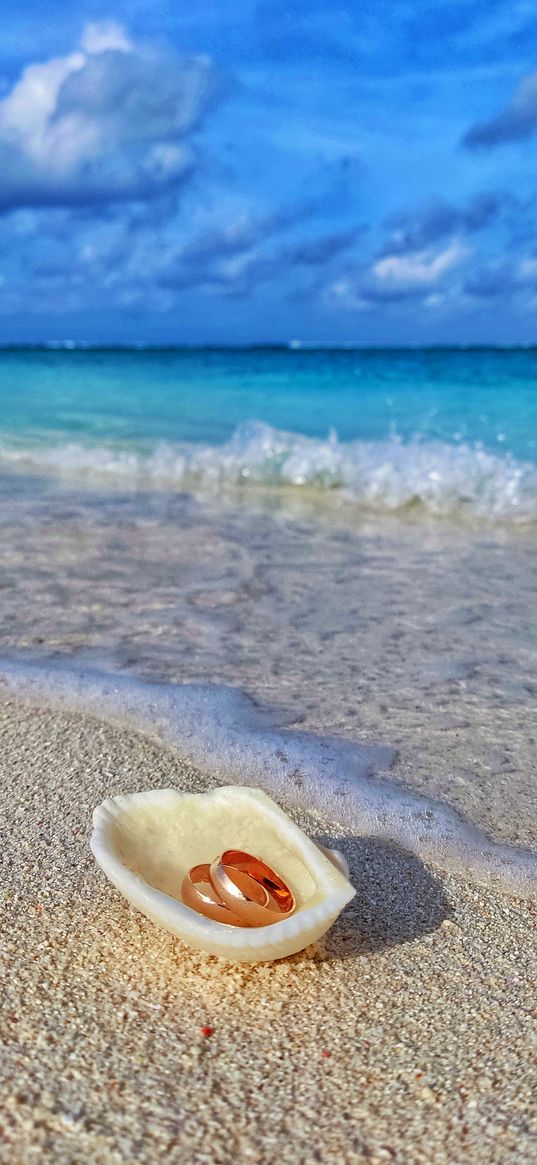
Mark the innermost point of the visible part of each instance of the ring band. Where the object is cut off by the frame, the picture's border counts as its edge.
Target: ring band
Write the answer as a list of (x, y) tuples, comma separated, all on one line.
[(264, 874), (238, 890), (206, 901), (250, 888)]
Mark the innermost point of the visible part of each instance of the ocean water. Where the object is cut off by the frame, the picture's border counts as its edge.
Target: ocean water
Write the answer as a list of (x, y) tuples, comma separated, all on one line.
[(451, 431)]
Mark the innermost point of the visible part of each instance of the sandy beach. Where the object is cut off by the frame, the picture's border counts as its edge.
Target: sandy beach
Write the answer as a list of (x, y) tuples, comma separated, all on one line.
[(122, 1045)]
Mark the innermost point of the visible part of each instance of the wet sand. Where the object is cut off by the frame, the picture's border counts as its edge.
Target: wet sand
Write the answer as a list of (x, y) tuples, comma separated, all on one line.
[(408, 1035)]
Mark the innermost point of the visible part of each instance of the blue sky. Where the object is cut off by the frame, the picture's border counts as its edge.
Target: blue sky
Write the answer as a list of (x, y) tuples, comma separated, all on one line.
[(288, 169)]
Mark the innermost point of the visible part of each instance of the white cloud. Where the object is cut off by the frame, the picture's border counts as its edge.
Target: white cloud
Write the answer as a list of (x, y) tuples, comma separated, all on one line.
[(97, 38), (26, 115), (109, 121), (418, 275), (527, 270), (420, 269)]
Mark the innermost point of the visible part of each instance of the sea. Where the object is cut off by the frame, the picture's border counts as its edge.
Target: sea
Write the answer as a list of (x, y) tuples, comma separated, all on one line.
[(341, 541), (452, 431)]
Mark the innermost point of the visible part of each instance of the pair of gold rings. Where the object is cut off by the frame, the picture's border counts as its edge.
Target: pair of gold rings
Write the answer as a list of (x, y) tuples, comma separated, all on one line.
[(238, 890)]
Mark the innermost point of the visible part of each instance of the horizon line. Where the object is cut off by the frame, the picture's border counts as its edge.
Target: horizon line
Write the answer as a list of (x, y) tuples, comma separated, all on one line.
[(295, 346)]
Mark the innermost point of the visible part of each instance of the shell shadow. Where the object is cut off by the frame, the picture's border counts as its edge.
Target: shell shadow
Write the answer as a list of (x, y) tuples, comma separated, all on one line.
[(397, 899)]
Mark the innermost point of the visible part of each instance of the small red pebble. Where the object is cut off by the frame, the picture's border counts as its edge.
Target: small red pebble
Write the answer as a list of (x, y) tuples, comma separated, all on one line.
[(207, 1031), (326, 1054)]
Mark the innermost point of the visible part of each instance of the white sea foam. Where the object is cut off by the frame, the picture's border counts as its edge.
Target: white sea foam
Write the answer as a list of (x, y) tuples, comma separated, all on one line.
[(223, 733), (443, 478)]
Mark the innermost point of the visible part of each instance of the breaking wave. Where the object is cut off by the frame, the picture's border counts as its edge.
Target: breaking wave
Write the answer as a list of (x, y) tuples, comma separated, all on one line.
[(389, 475)]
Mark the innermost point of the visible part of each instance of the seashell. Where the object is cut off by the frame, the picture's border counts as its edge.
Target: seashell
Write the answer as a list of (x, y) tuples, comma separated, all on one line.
[(147, 842)]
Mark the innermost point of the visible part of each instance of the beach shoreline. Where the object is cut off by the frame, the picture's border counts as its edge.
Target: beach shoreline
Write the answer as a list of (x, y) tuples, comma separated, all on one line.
[(416, 636), (318, 1057)]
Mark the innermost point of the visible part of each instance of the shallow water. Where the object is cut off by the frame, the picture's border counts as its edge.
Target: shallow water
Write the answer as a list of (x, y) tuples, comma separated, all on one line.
[(417, 636)]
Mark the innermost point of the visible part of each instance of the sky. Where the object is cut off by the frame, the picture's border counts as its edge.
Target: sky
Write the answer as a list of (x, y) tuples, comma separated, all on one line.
[(246, 172)]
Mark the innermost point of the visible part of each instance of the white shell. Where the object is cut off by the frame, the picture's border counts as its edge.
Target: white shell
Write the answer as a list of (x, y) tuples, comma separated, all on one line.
[(147, 842)]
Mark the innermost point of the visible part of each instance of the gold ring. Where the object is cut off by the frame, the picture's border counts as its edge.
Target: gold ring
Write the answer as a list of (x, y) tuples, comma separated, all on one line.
[(206, 901), (250, 888), (264, 874)]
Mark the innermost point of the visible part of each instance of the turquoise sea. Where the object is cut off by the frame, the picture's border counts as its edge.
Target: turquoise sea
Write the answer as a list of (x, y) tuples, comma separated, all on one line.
[(451, 430)]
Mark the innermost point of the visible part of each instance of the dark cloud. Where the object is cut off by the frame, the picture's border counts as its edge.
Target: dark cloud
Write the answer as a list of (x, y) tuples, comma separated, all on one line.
[(289, 260), (239, 255), (490, 280), (375, 293), (235, 262), (503, 278), (317, 252), (362, 294), (131, 250), (437, 219), (136, 97), (518, 120)]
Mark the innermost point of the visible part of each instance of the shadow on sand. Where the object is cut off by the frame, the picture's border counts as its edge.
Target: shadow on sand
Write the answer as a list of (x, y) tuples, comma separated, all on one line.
[(397, 899)]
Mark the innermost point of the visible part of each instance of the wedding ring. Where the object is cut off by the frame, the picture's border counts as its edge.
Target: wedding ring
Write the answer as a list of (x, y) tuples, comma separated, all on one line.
[(237, 889), (250, 888), (264, 874), (206, 901)]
